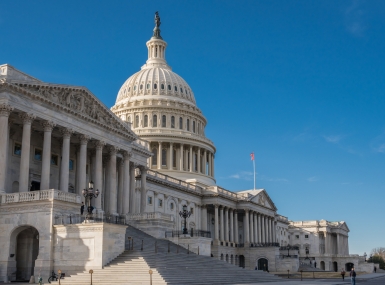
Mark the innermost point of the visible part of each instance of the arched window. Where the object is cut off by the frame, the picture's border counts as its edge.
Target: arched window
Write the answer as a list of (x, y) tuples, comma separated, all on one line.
[(175, 88), (188, 125), (164, 157), (163, 121), (129, 119), (155, 86), (154, 121), (172, 122), (181, 123), (141, 86), (169, 87), (194, 126), (162, 86), (174, 158), (155, 156), (145, 121), (137, 121)]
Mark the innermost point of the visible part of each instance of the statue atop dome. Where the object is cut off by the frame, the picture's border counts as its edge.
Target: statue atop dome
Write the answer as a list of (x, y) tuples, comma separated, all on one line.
[(157, 25)]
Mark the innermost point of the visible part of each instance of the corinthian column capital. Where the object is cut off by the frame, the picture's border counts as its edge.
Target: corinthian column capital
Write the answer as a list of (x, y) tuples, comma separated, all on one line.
[(5, 110), (27, 118)]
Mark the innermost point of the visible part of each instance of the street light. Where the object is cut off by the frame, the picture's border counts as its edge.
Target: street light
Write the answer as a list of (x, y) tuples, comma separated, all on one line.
[(185, 214), (88, 195), (288, 249)]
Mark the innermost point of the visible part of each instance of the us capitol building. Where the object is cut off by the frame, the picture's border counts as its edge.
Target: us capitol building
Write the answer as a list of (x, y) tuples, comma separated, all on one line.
[(148, 156)]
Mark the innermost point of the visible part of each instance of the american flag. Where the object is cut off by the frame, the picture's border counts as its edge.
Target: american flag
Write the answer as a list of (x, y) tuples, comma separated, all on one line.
[(252, 156)]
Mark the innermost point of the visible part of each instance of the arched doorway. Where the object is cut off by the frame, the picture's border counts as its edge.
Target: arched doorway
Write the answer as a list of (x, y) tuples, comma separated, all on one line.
[(227, 258), (349, 266), (335, 266), (263, 264), (25, 247), (322, 265), (241, 261)]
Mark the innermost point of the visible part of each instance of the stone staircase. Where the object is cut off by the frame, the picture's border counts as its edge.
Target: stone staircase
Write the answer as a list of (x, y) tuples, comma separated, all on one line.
[(174, 267)]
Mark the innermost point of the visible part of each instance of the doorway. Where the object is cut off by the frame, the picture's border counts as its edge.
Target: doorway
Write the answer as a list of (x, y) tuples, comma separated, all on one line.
[(335, 266), (242, 261), (35, 186), (263, 264), (322, 265), (27, 250), (349, 266)]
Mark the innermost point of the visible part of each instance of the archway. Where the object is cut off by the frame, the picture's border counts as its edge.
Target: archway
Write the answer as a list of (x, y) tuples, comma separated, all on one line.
[(335, 266), (322, 265), (349, 266), (227, 258), (241, 261), (263, 264), (232, 259), (25, 249)]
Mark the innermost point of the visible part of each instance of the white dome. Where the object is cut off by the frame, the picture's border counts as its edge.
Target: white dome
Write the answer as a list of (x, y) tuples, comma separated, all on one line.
[(155, 83)]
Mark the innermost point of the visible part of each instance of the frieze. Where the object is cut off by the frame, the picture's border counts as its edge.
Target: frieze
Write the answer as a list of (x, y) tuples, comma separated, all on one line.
[(76, 101)]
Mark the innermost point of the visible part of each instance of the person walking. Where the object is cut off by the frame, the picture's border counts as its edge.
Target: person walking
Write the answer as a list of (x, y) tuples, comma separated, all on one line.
[(375, 269), (343, 274), (353, 276)]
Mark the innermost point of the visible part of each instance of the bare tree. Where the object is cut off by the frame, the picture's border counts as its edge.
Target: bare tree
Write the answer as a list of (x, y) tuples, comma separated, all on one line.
[(379, 251)]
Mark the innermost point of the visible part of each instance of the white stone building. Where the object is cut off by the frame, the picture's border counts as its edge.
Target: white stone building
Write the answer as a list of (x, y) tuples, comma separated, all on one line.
[(148, 156)]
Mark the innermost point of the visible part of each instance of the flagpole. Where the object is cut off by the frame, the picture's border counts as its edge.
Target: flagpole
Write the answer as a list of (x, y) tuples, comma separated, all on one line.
[(254, 172)]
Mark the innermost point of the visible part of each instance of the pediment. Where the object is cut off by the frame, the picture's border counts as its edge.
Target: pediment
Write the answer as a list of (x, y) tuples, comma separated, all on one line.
[(344, 227), (78, 101), (263, 199)]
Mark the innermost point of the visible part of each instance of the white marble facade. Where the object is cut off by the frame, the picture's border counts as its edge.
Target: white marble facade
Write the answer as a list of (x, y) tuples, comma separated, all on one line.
[(148, 156)]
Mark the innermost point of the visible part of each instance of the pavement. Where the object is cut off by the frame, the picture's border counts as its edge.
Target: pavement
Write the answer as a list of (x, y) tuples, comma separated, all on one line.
[(365, 279)]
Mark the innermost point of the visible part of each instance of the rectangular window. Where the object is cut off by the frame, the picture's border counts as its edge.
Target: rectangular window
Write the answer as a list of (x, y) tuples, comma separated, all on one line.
[(306, 236), (17, 149), (160, 203), (71, 164), (149, 200), (38, 154), (192, 210), (54, 159), (297, 236)]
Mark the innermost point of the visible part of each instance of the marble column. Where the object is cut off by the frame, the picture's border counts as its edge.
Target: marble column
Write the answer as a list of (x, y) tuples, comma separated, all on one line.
[(204, 218), (209, 161), (120, 186), (263, 229), (25, 152), (181, 167), (246, 227), (46, 161), (126, 182), (256, 240), (226, 232), (222, 224), (199, 160), (251, 218), (216, 225), (170, 156), (259, 228), (143, 189), (112, 185), (268, 236), (99, 174), (65, 159), (160, 155), (231, 225), (274, 231), (132, 188), (83, 163), (236, 226), (213, 166), (5, 111), (191, 159), (205, 162)]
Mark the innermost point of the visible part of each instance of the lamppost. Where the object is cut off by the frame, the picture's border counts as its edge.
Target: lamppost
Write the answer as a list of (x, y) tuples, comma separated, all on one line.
[(288, 249), (88, 195), (185, 214)]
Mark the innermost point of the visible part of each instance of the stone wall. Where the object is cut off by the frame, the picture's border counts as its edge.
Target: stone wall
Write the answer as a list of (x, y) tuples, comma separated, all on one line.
[(86, 246), (193, 243)]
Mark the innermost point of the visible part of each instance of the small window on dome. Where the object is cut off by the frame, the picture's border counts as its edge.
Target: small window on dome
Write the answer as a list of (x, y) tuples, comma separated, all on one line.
[(134, 87), (172, 122), (136, 121), (181, 123), (169, 87), (124, 92), (181, 90), (155, 86), (193, 126), (141, 86), (148, 86), (162, 86), (163, 121), (154, 121), (129, 89), (188, 125), (145, 121), (175, 88)]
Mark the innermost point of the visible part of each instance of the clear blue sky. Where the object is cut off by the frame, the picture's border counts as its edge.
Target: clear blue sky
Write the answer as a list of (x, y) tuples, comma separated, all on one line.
[(300, 83)]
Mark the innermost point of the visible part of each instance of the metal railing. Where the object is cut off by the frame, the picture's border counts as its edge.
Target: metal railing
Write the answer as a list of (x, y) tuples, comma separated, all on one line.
[(69, 219), (192, 233)]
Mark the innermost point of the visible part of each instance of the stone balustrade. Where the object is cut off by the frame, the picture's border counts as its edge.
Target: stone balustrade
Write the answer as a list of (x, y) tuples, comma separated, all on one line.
[(50, 194), (149, 216)]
